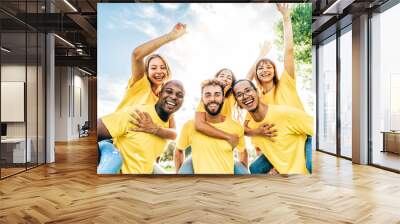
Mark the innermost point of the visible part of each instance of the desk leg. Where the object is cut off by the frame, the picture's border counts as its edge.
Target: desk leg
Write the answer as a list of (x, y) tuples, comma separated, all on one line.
[(384, 142)]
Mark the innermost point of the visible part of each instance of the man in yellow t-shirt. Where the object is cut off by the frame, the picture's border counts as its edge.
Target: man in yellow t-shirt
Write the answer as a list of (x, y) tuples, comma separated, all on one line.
[(211, 155), (285, 151), (137, 131)]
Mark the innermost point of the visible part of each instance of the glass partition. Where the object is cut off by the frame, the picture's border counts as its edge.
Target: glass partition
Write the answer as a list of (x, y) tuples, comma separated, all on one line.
[(345, 93), (385, 89), (22, 88), (327, 96), (13, 95)]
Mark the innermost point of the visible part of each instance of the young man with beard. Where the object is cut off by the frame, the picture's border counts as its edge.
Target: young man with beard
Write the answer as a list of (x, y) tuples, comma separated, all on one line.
[(211, 155), (137, 130), (286, 150)]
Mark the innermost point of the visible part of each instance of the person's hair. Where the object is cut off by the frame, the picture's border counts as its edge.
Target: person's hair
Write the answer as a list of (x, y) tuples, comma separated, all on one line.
[(238, 108), (177, 82), (212, 82), (243, 80), (275, 80), (229, 92), (146, 68)]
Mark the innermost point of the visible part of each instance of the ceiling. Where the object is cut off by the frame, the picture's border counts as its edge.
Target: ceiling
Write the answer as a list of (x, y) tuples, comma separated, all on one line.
[(332, 15), (74, 22)]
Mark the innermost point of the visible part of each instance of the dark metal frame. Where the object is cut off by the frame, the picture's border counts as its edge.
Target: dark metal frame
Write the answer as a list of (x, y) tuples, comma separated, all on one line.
[(380, 9), (338, 34), (44, 76)]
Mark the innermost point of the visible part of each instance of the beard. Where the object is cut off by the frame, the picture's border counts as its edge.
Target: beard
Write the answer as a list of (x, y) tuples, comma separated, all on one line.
[(217, 111)]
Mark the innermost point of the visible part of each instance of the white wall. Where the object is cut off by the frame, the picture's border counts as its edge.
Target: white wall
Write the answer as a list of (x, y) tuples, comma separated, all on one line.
[(61, 103), (71, 94), (12, 73), (33, 126)]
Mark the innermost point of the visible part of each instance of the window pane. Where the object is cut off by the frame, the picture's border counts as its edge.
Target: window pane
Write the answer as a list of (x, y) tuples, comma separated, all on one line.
[(327, 96), (346, 94), (385, 86), (31, 98), (41, 98), (13, 86)]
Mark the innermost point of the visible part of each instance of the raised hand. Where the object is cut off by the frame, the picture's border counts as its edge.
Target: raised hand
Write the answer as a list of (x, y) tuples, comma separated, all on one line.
[(265, 48), (178, 31), (283, 8)]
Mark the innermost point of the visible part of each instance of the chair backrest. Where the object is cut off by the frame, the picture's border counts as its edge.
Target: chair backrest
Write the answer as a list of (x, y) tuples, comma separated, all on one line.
[(86, 125)]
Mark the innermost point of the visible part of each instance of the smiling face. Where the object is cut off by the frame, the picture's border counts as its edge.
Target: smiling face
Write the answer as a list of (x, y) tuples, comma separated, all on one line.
[(213, 99), (265, 71), (246, 95), (171, 97), (157, 71), (226, 77)]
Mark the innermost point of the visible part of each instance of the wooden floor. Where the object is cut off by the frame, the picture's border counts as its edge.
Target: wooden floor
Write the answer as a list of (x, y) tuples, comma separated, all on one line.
[(388, 159), (69, 191)]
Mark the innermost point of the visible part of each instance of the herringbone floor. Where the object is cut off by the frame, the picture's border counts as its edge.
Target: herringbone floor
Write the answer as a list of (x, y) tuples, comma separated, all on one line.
[(69, 191)]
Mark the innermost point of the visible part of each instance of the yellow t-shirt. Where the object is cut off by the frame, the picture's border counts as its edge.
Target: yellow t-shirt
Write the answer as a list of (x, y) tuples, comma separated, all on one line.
[(286, 153), (284, 93), (227, 108), (211, 155), (138, 93), (139, 149)]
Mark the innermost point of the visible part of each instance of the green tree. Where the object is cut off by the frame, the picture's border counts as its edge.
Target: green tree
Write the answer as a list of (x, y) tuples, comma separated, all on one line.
[(168, 154), (301, 22), (301, 17)]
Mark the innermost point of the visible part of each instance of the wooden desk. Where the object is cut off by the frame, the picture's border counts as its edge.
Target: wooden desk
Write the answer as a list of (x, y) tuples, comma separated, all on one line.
[(391, 141)]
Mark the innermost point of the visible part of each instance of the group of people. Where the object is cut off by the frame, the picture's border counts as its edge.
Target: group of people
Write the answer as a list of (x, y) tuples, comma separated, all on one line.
[(132, 138)]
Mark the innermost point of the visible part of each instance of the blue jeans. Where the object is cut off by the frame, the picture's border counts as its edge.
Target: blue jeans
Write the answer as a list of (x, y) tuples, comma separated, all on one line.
[(262, 164), (187, 167), (111, 159), (309, 154)]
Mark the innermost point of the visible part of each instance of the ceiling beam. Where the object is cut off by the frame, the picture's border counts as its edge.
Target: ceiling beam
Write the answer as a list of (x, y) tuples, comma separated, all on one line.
[(82, 61)]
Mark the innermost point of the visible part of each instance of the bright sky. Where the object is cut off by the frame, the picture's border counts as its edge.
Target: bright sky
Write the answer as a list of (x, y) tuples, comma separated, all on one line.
[(220, 35)]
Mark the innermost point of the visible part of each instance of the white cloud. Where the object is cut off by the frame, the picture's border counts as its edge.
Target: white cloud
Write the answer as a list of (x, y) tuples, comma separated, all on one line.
[(219, 35), (110, 92), (148, 12), (170, 6), (142, 19)]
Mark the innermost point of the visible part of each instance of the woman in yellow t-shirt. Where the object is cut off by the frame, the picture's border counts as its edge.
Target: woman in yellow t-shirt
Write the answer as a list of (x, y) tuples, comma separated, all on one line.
[(148, 77), (274, 90)]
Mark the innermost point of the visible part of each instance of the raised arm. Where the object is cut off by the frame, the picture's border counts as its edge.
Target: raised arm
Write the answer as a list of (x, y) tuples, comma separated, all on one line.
[(266, 47), (288, 38), (138, 55), (202, 126)]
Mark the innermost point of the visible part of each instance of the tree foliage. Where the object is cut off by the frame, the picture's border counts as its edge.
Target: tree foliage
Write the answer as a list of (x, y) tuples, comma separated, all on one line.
[(168, 154), (301, 22)]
